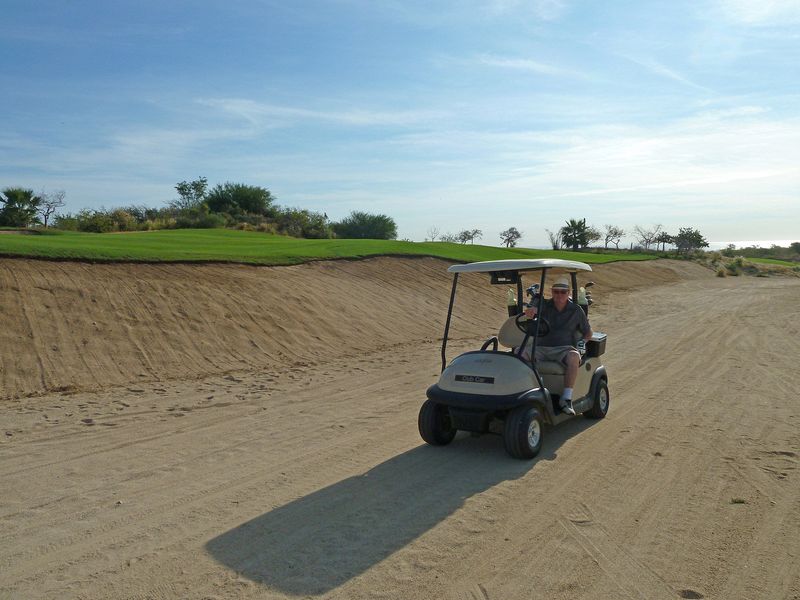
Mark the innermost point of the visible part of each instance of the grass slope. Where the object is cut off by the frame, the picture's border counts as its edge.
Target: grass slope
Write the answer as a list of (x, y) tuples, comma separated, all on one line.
[(223, 245), (771, 261)]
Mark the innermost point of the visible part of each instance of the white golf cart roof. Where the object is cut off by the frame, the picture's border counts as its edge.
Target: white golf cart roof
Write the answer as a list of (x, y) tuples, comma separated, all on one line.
[(519, 264)]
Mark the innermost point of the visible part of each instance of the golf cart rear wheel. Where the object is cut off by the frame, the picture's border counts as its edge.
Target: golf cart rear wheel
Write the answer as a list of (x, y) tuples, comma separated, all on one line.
[(435, 425), (523, 432), (601, 401)]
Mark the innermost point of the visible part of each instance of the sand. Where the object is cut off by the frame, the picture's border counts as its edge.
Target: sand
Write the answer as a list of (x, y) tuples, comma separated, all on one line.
[(177, 431)]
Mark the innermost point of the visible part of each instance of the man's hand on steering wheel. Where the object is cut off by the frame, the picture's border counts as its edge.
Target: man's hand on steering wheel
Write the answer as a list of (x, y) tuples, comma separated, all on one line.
[(523, 322)]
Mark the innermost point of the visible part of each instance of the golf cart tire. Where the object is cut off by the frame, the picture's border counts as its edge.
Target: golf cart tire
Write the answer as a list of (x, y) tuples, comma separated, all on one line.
[(434, 423), (601, 401), (523, 433)]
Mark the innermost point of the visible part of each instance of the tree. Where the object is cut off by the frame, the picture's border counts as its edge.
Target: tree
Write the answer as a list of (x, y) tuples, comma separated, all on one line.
[(20, 206), (555, 239), (50, 204), (448, 237), (361, 225), (469, 235), (592, 235), (239, 200), (689, 239), (192, 194), (663, 238), (433, 233), (576, 233), (646, 237), (795, 246), (613, 235), (510, 236)]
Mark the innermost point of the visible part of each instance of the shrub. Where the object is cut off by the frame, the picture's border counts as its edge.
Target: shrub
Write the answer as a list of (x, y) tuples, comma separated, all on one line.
[(198, 220), (95, 221), (300, 222), (361, 225), (721, 271), (67, 222), (122, 220), (238, 200), (267, 228)]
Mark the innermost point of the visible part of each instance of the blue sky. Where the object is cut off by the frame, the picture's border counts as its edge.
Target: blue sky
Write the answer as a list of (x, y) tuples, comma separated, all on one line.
[(456, 115)]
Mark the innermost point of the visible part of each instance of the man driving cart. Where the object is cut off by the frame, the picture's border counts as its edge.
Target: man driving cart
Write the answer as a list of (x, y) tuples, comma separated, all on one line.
[(567, 324)]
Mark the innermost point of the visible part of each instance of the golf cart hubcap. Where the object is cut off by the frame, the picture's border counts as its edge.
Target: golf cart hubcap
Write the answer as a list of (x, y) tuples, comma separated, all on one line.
[(534, 433), (603, 400)]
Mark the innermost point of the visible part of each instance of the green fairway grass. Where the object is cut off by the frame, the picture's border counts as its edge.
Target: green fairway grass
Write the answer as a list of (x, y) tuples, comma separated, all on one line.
[(771, 261), (225, 245)]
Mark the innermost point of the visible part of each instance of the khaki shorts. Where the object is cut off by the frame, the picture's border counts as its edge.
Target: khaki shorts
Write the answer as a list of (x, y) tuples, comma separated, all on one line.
[(551, 353)]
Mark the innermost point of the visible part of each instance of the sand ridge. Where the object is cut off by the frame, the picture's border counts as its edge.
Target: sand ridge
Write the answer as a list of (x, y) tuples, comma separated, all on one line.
[(80, 326)]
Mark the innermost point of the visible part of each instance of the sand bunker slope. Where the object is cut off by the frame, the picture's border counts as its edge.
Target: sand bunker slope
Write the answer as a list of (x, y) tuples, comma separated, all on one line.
[(77, 326)]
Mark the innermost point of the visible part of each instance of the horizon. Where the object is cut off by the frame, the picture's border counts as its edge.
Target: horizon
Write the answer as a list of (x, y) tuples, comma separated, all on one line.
[(486, 114)]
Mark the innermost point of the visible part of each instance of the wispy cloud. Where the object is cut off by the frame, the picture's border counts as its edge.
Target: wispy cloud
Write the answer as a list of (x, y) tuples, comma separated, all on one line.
[(272, 115), (661, 70), (522, 64), (546, 10), (761, 12)]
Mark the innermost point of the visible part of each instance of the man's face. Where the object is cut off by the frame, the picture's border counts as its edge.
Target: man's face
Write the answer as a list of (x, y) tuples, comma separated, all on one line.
[(560, 297)]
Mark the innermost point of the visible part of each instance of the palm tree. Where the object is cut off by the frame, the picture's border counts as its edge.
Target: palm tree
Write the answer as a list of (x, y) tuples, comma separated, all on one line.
[(19, 207), (575, 234)]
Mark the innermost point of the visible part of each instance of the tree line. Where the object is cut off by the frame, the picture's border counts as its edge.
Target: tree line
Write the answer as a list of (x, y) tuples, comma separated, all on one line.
[(225, 205), (576, 234)]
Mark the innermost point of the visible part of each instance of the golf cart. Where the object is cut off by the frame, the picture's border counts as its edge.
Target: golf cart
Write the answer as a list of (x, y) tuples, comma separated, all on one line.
[(499, 391)]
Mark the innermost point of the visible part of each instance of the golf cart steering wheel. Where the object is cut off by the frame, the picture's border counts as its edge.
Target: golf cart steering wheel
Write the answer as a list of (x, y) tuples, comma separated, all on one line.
[(544, 326)]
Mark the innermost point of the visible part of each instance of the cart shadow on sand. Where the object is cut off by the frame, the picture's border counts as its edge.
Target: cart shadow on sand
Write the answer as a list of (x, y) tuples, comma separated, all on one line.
[(316, 543)]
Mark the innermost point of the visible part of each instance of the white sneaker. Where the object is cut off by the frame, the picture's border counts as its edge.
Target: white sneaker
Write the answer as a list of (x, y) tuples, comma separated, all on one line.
[(566, 406)]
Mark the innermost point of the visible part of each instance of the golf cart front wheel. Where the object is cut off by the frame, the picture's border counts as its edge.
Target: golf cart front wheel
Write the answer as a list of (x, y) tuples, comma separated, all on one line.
[(601, 401), (434, 423), (524, 431)]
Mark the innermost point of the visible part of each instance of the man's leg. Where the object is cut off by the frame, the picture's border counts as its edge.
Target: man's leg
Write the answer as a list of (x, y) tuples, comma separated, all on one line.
[(572, 360)]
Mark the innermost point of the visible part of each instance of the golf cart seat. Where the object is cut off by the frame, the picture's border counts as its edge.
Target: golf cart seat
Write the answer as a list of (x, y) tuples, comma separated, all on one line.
[(509, 335), (549, 367)]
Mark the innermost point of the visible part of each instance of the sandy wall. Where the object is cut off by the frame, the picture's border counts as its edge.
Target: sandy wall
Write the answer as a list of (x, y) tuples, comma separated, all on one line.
[(78, 326)]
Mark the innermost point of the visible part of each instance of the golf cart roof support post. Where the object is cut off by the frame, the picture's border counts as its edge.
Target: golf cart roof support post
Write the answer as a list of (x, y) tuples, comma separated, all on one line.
[(520, 303), (447, 323), (536, 334), (574, 277)]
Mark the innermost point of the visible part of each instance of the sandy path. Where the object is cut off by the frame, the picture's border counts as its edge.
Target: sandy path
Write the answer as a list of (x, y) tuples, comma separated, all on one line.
[(311, 480)]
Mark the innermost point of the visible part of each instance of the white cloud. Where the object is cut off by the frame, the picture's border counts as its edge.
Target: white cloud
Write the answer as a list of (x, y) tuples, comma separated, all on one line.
[(546, 10), (522, 64), (259, 113), (761, 12), (661, 70)]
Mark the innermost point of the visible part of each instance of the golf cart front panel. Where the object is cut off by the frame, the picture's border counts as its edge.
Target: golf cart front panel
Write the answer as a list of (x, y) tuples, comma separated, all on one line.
[(487, 373)]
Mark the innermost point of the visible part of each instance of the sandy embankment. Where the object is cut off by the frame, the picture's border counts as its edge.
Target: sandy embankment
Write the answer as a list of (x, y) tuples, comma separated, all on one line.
[(73, 326), (237, 432)]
